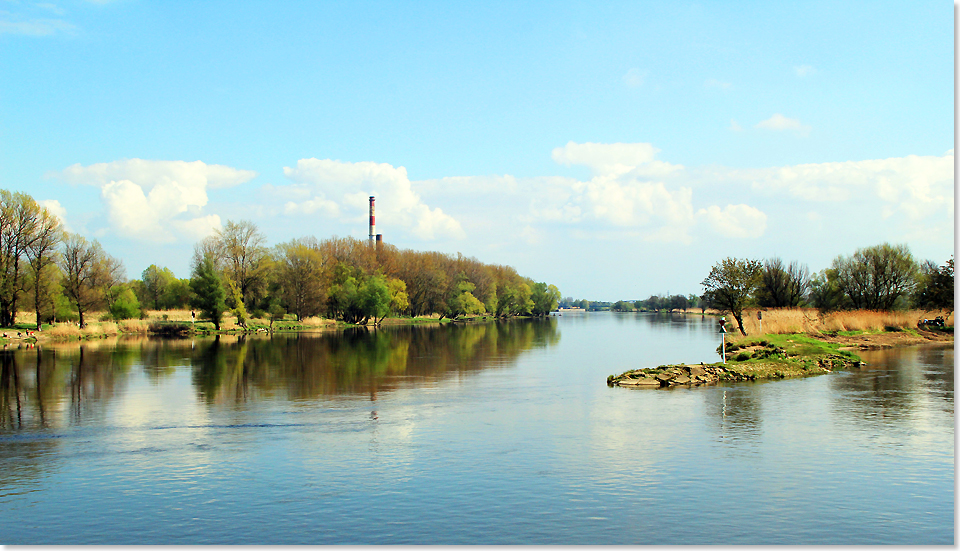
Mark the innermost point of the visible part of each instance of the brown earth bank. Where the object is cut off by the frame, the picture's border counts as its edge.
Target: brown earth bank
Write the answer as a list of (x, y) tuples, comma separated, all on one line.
[(886, 339)]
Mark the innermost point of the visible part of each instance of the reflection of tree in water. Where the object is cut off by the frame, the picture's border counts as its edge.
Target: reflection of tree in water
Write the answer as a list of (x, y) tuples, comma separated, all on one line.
[(896, 382), (735, 410), (50, 388), (56, 386), (360, 361)]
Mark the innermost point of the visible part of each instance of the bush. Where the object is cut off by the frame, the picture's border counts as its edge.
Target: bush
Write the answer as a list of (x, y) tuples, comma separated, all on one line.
[(742, 357)]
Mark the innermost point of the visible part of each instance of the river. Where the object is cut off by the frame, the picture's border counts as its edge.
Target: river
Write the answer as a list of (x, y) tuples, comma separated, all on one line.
[(496, 433)]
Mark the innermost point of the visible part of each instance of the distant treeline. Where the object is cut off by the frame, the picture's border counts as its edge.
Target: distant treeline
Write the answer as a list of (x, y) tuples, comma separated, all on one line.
[(882, 277), (63, 277)]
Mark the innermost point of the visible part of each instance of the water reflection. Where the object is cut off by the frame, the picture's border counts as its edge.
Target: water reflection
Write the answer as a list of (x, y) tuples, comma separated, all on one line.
[(736, 411), (65, 384), (896, 383)]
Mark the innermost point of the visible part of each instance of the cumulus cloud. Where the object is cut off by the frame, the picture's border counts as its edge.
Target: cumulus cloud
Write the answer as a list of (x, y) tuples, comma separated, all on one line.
[(914, 185), (803, 70), (342, 188), (738, 221), (157, 201), (614, 158), (55, 209), (779, 122)]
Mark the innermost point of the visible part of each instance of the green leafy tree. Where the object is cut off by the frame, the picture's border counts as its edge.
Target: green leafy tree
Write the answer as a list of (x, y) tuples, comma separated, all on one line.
[(209, 295), (935, 287), (730, 285), (876, 278), (374, 296), (156, 281), (545, 298), (125, 304)]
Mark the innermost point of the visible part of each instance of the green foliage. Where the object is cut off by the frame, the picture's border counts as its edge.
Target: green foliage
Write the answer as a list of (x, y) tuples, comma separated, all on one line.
[(236, 297), (545, 298), (730, 285), (935, 287), (875, 278), (125, 305), (209, 295)]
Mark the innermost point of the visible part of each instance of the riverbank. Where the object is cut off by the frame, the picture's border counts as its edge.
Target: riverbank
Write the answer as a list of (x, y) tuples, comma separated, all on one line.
[(778, 357), (179, 323)]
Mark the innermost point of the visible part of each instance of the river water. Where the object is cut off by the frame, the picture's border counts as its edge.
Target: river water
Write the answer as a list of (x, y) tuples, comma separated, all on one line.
[(498, 433)]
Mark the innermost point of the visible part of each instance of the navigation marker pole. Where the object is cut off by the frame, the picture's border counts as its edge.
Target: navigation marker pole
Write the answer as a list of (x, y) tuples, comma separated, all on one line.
[(723, 333)]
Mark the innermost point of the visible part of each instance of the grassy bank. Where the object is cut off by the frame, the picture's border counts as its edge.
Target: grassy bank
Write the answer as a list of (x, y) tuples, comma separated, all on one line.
[(180, 322), (769, 357)]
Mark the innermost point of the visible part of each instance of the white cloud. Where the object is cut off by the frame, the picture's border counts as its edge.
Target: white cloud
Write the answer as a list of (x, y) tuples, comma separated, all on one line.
[(157, 201), (914, 185), (779, 122), (735, 126), (55, 209), (342, 188), (738, 221), (614, 158), (634, 78), (804, 70)]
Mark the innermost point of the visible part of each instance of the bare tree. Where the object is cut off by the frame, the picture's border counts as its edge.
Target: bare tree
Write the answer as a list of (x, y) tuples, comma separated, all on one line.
[(88, 273), (782, 286)]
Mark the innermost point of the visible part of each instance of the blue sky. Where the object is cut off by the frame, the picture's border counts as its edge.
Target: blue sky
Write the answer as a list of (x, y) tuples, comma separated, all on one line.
[(616, 149)]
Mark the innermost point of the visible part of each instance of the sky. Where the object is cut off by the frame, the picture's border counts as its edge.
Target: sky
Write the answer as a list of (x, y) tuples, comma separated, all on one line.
[(615, 149)]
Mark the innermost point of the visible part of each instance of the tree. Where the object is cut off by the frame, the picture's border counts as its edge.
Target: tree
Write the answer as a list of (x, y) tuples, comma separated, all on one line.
[(877, 277), (782, 286), (300, 275), (935, 287), (242, 252), (88, 273), (156, 281), (125, 304), (19, 215), (730, 285), (545, 298), (42, 254), (823, 292), (209, 295)]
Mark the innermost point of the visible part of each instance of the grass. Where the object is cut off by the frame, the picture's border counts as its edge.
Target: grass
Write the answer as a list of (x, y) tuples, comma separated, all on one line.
[(809, 320)]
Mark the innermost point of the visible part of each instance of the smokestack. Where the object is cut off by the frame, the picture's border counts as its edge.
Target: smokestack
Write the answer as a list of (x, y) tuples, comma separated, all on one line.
[(379, 241), (373, 225)]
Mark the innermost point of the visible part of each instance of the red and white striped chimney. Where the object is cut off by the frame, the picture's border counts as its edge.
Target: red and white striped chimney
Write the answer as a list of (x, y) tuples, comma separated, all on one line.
[(373, 232)]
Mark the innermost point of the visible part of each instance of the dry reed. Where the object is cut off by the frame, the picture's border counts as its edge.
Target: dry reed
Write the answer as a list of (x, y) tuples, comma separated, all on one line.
[(809, 320)]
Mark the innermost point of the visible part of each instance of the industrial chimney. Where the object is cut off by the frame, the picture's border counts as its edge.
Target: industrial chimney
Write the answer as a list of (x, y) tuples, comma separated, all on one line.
[(373, 233)]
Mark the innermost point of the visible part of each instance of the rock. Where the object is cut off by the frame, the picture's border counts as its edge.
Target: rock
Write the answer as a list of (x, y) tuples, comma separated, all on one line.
[(680, 380), (696, 370), (665, 376), (643, 381)]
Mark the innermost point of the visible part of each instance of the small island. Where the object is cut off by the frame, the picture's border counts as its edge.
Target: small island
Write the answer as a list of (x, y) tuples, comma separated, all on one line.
[(778, 357)]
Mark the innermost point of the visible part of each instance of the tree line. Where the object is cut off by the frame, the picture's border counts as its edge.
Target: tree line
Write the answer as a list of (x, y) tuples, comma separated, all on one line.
[(882, 277), (64, 276)]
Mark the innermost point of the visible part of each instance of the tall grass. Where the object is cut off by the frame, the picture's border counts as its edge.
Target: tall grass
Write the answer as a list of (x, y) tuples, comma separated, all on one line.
[(809, 320)]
